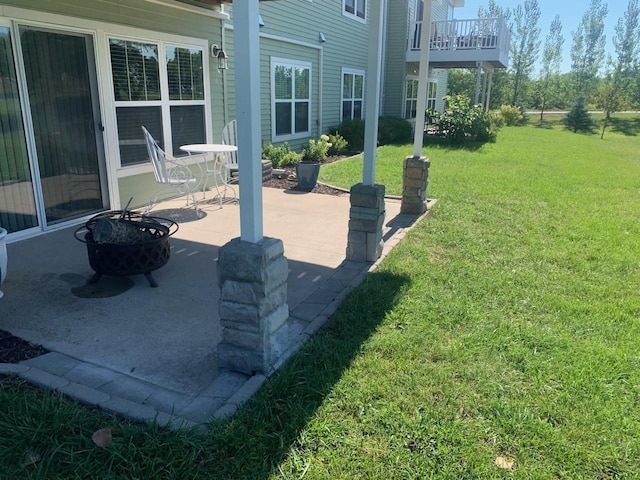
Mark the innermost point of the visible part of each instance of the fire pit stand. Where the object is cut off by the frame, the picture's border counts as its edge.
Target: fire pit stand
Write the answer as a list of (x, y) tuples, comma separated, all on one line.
[(123, 243)]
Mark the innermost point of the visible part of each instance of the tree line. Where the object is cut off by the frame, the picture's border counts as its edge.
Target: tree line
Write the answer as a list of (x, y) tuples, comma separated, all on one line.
[(607, 82)]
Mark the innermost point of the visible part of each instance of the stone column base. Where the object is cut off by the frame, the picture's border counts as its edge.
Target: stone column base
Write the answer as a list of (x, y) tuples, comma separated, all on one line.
[(366, 219), (415, 174), (253, 305)]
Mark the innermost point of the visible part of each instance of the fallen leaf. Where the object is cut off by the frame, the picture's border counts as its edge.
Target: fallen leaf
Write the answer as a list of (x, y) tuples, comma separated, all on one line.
[(30, 458), (504, 462), (102, 438)]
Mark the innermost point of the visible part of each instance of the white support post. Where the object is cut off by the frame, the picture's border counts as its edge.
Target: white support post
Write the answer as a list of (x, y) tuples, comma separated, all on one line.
[(247, 77), (486, 107), (423, 79), (374, 73), (476, 99)]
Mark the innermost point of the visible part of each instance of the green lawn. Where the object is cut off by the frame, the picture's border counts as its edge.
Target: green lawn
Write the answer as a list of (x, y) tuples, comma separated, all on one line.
[(499, 340)]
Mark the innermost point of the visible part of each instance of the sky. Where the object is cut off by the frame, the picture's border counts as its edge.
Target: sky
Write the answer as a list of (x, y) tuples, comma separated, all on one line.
[(570, 12)]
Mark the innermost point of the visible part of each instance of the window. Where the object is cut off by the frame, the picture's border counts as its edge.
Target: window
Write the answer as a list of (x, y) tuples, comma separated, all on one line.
[(352, 93), (411, 97), (160, 86), (355, 9), (291, 94), (432, 91)]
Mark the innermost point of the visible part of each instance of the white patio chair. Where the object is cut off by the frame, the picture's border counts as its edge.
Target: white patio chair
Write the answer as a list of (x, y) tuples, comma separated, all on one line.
[(171, 172), (230, 137)]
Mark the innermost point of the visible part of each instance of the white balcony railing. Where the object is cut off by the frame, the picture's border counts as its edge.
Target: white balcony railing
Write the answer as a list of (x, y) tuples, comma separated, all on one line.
[(464, 35)]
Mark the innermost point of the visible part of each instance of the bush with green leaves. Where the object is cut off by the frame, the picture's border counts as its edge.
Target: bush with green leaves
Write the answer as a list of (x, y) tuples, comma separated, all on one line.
[(462, 122), (394, 131), (280, 156), (511, 115), (579, 119), (338, 144), (316, 150), (352, 130)]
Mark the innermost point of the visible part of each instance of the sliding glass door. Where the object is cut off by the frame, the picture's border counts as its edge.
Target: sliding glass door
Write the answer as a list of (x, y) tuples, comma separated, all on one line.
[(60, 75), (17, 201)]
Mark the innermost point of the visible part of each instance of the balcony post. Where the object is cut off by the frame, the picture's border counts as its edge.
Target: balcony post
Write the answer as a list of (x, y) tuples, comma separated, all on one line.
[(423, 79)]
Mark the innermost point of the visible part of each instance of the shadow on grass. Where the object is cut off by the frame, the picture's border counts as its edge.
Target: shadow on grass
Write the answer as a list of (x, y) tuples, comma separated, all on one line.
[(260, 436), (446, 144), (626, 126)]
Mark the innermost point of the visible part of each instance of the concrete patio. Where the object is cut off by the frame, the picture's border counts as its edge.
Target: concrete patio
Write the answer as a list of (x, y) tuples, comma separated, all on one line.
[(150, 353)]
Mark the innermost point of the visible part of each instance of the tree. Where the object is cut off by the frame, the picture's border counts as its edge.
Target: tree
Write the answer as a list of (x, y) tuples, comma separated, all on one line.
[(587, 52), (627, 41), (494, 11), (525, 44), (551, 57), (610, 98), (579, 119)]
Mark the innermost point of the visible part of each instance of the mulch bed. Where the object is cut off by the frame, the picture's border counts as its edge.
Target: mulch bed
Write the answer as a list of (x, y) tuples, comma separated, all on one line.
[(14, 349), (288, 181)]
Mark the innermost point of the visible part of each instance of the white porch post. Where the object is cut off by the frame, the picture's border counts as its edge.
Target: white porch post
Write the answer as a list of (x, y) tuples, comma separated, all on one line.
[(415, 169), (374, 72), (423, 79), (367, 212), (247, 77)]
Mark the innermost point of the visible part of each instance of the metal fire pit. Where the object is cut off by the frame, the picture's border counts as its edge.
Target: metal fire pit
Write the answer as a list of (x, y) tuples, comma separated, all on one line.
[(123, 243)]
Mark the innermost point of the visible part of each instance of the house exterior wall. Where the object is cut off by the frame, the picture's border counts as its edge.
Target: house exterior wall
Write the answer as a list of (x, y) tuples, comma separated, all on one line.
[(314, 32), (292, 30), (400, 17), (134, 19)]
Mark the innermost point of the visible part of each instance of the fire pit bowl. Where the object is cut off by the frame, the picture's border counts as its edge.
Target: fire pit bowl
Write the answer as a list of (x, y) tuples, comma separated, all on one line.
[(123, 243)]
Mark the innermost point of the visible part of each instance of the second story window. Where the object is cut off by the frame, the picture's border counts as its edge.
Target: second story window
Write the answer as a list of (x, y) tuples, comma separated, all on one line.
[(355, 8)]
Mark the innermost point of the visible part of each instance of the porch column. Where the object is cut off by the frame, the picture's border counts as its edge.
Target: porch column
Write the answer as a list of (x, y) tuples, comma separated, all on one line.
[(489, 84), (367, 212), (247, 77), (252, 270), (253, 305), (476, 99), (415, 169)]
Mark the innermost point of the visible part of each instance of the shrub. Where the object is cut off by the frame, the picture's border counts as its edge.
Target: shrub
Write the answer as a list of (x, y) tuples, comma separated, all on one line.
[(579, 119), (338, 144), (316, 150), (461, 121), (393, 130), (281, 156), (511, 115), (352, 130)]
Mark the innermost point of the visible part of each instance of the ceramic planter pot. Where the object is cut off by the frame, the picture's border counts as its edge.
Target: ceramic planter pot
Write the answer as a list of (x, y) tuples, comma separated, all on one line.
[(307, 173), (3, 257)]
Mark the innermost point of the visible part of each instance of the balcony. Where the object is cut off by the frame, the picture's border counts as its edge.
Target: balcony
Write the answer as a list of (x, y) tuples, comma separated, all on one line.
[(463, 43)]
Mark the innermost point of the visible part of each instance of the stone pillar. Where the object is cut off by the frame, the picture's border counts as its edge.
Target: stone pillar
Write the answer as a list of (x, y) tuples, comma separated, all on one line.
[(366, 219), (415, 172), (253, 305)]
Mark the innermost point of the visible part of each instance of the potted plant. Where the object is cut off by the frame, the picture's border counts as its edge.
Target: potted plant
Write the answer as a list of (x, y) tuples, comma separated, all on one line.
[(3, 257), (308, 168)]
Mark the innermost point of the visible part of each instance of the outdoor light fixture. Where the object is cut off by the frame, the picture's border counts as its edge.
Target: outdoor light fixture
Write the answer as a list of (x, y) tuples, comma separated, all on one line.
[(322, 38), (217, 52)]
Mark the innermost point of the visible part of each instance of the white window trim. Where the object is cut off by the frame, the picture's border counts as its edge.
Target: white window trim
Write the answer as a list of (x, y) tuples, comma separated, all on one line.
[(290, 63), (406, 98), (352, 71), (165, 103), (354, 16), (101, 32)]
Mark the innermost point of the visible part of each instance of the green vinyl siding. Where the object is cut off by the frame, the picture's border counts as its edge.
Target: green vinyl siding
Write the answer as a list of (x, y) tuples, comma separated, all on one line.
[(292, 31)]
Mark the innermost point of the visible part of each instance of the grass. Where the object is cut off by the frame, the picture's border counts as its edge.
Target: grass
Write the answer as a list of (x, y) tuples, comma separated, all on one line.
[(499, 340)]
